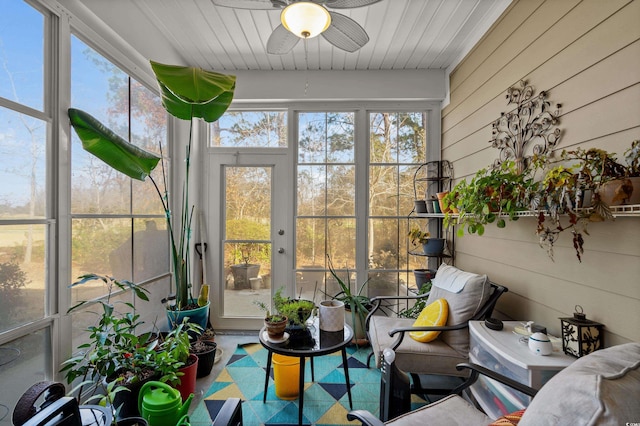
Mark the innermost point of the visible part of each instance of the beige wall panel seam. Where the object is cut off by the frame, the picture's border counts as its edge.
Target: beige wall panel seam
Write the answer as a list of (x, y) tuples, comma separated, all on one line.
[(510, 22), (603, 117), (613, 73), (532, 30), (561, 296), (522, 65)]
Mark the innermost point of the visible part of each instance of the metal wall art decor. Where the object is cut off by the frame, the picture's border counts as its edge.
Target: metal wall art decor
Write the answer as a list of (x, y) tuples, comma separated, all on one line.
[(529, 124)]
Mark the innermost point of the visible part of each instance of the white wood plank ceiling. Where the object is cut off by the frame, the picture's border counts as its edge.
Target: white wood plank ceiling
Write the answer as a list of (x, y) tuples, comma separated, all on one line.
[(404, 34)]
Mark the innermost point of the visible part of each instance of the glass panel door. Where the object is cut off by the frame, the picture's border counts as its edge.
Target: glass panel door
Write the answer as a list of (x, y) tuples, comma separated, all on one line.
[(253, 259)]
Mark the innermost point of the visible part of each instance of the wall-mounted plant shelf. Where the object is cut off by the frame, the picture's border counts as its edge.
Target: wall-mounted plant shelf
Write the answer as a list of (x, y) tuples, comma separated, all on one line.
[(631, 210)]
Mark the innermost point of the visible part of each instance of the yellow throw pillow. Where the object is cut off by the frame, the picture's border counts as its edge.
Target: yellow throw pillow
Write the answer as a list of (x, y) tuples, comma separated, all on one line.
[(434, 314)]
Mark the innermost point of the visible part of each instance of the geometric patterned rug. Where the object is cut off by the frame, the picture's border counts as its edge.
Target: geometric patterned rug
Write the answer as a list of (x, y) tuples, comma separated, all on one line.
[(325, 401)]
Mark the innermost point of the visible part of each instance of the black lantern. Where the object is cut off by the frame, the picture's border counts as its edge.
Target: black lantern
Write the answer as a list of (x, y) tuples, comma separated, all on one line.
[(581, 336)]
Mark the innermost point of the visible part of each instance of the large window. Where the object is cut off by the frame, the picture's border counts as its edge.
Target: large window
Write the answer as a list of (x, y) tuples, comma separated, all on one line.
[(118, 225), (327, 217), (397, 146), (25, 221)]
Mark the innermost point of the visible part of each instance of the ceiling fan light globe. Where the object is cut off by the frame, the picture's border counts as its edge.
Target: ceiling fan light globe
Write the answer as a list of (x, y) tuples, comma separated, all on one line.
[(305, 19)]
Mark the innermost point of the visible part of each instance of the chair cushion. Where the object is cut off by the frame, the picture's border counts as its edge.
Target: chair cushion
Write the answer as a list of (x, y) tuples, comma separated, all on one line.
[(465, 293), (434, 314), (599, 388), (451, 410), (435, 357)]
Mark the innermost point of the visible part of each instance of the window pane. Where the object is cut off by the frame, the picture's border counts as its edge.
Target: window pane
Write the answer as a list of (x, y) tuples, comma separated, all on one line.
[(312, 137), (248, 203), (22, 47), (383, 191), (311, 190), (23, 141), (341, 191), (101, 246), (148, 131), (150, 249), (247, 245), (252, 129), (385, 251), (22, 274), (340, 146), (411, 141), (341, 241), (23, 362), (310, 242), (101, 89)]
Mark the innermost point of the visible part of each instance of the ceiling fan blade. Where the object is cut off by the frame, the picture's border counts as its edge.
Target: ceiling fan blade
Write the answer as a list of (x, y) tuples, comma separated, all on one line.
[(250, 4), (348, 4), (281, 41), (345, 33)]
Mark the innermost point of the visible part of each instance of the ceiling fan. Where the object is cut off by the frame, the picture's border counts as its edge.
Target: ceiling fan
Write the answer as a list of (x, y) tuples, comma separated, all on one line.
[(307, 19)]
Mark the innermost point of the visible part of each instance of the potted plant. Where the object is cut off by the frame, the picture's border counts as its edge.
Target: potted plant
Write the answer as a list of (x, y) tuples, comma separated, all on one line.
[(187, 93), (356, 304), (492, 195), (205, 350), (430, 246), (177, 345), (114, 360), (275, 324), (600, 171), (297, 310)]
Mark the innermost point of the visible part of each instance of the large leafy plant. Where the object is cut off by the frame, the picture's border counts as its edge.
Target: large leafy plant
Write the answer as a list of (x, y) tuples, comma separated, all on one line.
[(187, 93), (354, 301), (492, 195)]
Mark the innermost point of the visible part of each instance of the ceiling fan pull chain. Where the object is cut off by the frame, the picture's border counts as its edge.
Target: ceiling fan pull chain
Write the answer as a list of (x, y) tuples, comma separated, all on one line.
[(306, 69)]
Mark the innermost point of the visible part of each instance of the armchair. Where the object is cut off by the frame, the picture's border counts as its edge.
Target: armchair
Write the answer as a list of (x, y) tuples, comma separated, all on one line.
[(469, 296), (597, 389)]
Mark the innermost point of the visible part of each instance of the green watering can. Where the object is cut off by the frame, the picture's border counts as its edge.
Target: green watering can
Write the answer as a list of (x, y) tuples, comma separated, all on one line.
[(161, 405)]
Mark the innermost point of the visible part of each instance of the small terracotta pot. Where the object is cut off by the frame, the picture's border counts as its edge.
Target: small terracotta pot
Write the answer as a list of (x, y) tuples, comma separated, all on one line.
[(275, 330), (441, 196)]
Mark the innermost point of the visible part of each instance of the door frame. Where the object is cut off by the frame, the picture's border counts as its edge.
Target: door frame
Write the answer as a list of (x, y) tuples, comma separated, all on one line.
[(281, 219)]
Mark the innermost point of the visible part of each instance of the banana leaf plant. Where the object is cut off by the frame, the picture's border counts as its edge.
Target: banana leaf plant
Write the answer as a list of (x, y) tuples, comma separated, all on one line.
[(187, 93)]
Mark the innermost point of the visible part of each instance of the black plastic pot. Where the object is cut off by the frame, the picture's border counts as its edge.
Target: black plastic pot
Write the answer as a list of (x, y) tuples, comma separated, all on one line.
[(420, 206), (133, 421), (206, 359), (423, 275), (128, 401)]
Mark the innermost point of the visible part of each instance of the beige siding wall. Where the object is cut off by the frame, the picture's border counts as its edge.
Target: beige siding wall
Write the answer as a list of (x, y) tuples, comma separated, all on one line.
[(586, 55)]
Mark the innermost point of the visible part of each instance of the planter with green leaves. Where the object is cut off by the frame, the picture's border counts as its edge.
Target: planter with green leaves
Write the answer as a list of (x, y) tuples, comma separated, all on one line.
[(275, 324), (430, 246), (187, 93), (492, 195), (356, 304), (115, 361), (177, 345)]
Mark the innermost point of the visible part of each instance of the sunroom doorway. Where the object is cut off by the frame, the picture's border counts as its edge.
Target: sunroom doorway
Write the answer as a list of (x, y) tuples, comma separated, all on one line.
[(252, 258)]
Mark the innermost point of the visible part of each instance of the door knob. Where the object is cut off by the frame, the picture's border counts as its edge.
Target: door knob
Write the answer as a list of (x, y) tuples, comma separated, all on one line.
[(280, 250)]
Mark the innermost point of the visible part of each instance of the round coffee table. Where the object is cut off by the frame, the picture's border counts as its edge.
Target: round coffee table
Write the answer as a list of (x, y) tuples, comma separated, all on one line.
[(322, 343)]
